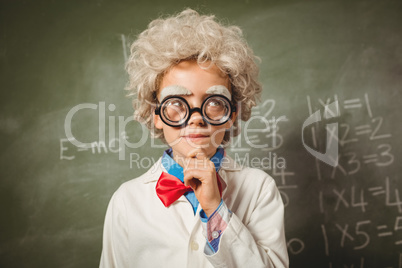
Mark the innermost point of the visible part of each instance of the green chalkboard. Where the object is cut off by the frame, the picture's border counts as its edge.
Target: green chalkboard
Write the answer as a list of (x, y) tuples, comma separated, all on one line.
[(62, 62)]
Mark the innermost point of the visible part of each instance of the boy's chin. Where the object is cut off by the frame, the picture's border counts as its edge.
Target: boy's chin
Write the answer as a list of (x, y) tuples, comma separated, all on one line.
[(208, 149)]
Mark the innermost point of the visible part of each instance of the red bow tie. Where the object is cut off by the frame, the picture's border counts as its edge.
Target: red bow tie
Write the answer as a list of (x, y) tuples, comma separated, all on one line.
[(169, 188)]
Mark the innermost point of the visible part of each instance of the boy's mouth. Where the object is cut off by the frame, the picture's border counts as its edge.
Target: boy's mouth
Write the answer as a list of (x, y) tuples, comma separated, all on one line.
[(195, 136)]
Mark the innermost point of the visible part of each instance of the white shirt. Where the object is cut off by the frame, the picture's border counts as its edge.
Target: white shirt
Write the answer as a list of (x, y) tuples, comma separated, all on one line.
[(140, 231)]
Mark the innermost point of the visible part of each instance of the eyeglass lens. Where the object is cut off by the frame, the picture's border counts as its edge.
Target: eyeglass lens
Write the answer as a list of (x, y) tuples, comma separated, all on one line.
[(175, 110), (216, 108)]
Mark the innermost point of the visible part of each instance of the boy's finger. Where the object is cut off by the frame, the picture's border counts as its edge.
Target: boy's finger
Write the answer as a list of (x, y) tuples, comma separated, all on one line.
[(192, 153), (189, 180), (201, 156), (197, 153)]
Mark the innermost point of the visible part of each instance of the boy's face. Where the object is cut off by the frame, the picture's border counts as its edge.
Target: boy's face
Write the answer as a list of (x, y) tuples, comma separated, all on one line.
[(193, 83)]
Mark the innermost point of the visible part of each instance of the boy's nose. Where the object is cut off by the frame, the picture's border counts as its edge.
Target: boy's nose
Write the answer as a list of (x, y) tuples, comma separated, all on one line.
[(196, 119)]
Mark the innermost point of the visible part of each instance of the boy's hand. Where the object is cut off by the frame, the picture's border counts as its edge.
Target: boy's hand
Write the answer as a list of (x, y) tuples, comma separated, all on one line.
[(200, 175)]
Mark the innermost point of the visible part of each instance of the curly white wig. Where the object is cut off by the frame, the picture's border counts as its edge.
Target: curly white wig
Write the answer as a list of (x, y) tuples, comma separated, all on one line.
[(191, 36)]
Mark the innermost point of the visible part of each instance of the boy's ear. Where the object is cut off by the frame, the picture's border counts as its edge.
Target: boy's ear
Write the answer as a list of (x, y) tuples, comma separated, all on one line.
[(157, 121)]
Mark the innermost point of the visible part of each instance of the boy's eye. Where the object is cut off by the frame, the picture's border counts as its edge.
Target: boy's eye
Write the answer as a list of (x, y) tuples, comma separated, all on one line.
[(214, 103), (176, 103)]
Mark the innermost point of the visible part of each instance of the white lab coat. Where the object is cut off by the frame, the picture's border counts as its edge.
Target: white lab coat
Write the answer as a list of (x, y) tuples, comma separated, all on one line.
[(140, 231)]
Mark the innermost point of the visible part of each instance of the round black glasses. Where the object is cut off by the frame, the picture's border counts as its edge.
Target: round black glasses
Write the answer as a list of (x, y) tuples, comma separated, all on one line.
[(175, 111)]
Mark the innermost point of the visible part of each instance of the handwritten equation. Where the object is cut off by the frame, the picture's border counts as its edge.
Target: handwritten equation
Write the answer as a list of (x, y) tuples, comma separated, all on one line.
[(353, 186)]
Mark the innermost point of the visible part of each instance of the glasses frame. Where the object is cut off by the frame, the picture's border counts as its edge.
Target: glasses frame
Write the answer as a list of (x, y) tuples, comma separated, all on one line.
[(232, 109)]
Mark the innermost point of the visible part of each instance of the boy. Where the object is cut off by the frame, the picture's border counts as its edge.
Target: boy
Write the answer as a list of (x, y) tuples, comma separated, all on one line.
[(193, 78)]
